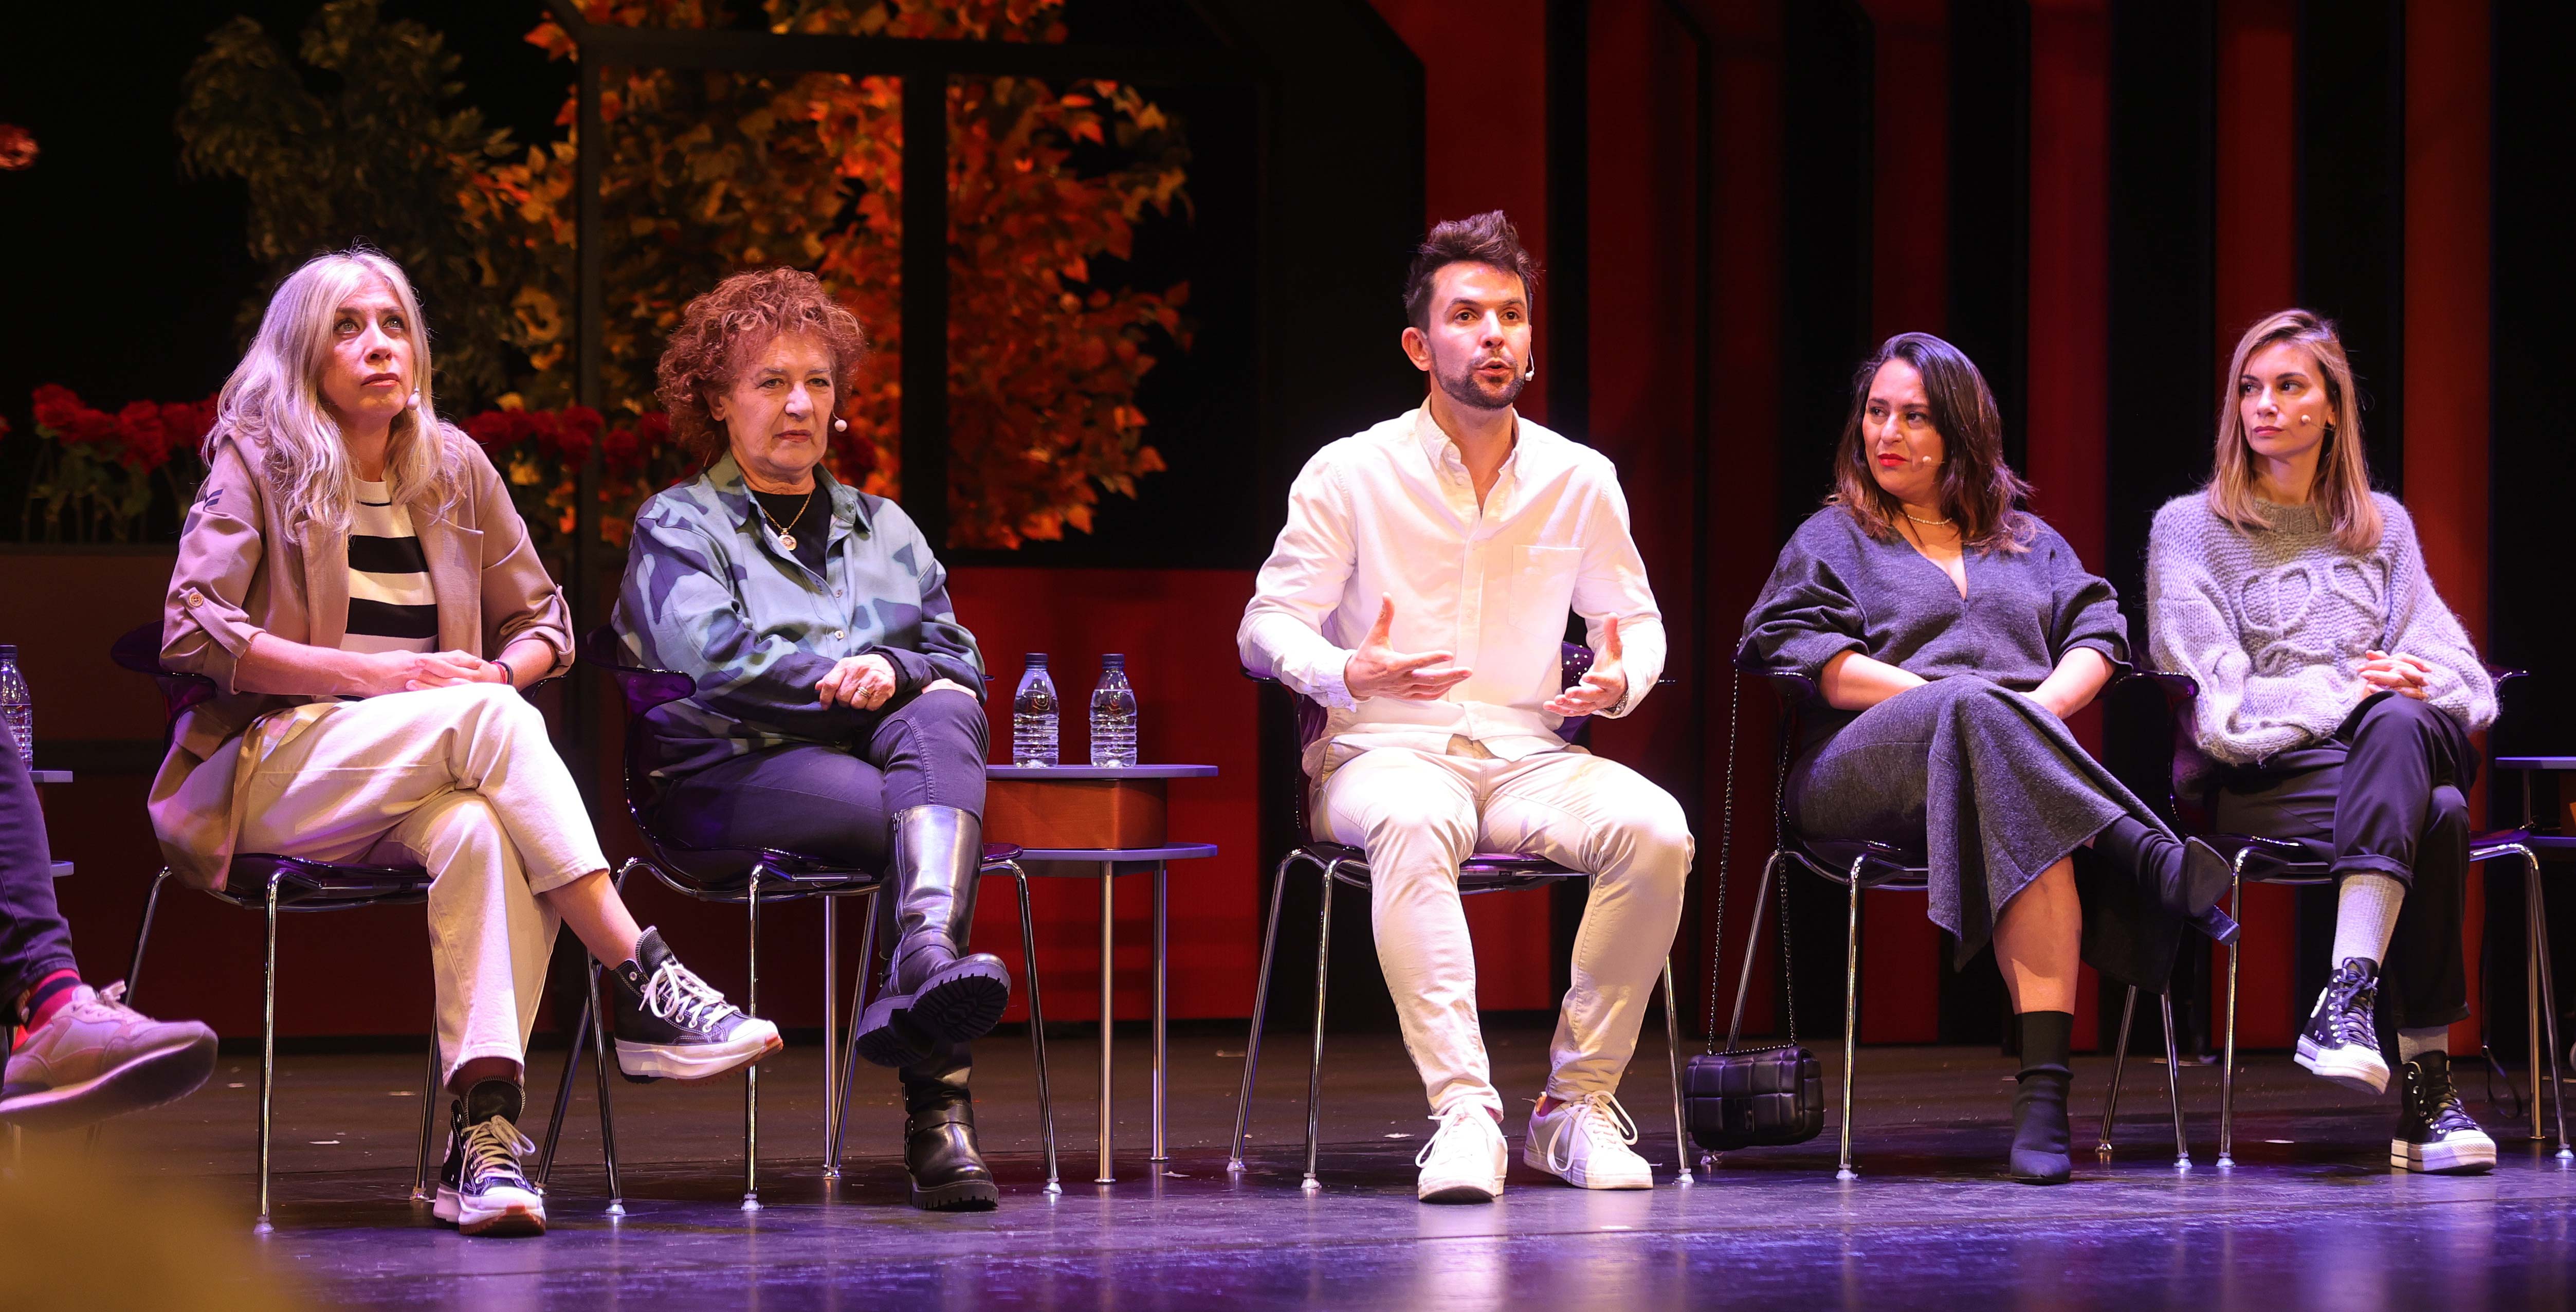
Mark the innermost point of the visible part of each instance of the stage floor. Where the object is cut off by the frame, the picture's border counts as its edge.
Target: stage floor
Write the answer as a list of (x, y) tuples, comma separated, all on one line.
[(2309, 1216)]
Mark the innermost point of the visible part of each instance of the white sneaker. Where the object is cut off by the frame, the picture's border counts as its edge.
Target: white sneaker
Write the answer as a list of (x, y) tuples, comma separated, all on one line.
[(1465, 1160), (1586, 1142)]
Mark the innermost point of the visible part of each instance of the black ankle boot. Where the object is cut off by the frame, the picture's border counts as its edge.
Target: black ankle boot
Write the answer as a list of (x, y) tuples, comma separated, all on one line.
[(935, 991), (947, 1169), (2040, 1133), (2185, 877)]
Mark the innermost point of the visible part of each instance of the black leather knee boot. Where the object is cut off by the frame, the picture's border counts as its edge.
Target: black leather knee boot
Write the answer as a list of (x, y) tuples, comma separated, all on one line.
[(935, 991), (939, 1149), (2040, 1133)]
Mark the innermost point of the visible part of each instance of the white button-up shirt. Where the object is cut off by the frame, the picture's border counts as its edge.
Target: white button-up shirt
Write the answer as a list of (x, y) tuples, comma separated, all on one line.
[(1391, 512)]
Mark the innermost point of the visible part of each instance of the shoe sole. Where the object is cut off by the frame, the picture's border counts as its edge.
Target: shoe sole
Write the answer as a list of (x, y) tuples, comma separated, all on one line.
[(964, 1196), (145, 1081), (964, 1002), (888, 1036), (513, 1221), (1581, 1179), (2470, 1158), (1462, 1192), (646, 1062), (2353, 1069)]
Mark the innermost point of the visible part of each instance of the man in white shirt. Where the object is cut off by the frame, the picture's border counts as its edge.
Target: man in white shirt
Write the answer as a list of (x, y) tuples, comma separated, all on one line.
[(1419, 592)]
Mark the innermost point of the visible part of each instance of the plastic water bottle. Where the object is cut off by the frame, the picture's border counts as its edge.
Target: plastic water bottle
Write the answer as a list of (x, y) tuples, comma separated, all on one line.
[(15, 707), (1113, 715), (1034, 711)]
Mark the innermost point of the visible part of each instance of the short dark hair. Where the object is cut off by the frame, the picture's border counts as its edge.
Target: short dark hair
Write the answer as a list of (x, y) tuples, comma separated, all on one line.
[(1487, 238)]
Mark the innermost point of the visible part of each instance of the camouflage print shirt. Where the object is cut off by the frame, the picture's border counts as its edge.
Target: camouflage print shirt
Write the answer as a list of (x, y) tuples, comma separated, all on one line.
[(710, 593)]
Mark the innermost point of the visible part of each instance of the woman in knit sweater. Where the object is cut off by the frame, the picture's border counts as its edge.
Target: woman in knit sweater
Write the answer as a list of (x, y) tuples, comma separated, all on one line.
[(2337, 694), (1949, 633)]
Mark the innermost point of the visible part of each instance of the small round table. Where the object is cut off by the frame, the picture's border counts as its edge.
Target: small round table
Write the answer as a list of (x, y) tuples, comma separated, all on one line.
[(1106, 864)]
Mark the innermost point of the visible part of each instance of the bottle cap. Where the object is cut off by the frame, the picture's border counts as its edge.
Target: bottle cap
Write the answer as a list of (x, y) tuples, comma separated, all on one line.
[(8, 651), (1036, 660), (1113, 661)]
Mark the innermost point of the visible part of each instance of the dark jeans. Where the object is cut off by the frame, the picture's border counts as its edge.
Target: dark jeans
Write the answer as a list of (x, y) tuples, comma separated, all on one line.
[(837, 805), (832, 803), (2386, 789), (34, 941)]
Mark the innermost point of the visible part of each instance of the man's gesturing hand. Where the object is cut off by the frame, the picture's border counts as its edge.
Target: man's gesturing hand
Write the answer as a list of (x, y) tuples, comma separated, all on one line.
[(1379, 670), (1605, 686)]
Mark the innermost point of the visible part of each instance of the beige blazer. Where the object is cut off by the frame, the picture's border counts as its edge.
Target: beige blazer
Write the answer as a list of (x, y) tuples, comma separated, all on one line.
[(243, 570)]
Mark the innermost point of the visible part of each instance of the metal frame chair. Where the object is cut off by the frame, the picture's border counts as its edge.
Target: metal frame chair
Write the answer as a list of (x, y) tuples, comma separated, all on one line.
[(1339, 863), (1857, 865), (2261, 860), (754, 877), (266, 882)]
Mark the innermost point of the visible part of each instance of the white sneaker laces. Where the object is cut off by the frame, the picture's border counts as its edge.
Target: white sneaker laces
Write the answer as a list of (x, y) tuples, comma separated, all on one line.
[(1448, 1124), (676, 994), (492, 1152), (1601, 1121)]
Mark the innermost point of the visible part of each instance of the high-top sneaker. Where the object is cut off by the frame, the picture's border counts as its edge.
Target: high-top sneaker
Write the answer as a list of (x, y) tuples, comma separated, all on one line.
[(2341, 1041), (481, 1190), (671, 1025), (95, 1057), (2434, 1130), (935, 990)]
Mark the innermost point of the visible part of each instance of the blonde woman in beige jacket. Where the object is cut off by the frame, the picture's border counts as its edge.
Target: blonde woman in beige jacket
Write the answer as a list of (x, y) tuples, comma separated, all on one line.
[(358, 587)]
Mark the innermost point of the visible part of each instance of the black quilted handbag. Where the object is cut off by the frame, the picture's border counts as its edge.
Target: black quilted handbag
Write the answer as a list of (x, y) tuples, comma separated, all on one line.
[(1751, 1097)]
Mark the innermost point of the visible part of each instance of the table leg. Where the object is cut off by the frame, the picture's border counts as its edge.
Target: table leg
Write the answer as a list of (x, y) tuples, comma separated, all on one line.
[(1162, 1008), (1108, 1008)]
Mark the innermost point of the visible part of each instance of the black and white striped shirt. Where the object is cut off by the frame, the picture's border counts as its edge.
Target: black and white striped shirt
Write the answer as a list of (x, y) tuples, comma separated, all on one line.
[(391, 607)]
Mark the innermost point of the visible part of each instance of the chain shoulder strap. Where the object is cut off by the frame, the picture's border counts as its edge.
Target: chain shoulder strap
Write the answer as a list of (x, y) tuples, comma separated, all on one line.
[(1725, 853)]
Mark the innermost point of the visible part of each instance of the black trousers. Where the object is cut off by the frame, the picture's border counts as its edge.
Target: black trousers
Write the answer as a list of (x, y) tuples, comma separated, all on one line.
[(837, 804), (34, 940), (2387, 791)]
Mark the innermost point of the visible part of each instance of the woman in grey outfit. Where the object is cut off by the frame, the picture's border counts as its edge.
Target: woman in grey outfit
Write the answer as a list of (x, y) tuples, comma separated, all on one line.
[(1950, 634)]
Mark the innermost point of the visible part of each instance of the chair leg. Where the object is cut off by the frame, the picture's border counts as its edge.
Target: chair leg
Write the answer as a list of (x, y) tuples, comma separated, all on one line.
[(2548, 1000), (2227, 1061), (604, 1056), (1673, 1058), (267, 1055), (133, 979), (751, 1073), (1260, 1008), (2173, 1084), (428, 1111), (2119, 1059), (1037, 1027), (563, 1087), (831, 1034), (850, 1041), (1315, 1071), (1851, 1020)]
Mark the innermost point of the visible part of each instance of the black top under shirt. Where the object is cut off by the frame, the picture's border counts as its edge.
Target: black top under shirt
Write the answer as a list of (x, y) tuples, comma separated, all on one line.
[(812, 525)]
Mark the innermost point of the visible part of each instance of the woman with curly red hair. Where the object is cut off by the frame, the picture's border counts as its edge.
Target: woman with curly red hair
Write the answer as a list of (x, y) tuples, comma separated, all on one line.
[(839, 706)]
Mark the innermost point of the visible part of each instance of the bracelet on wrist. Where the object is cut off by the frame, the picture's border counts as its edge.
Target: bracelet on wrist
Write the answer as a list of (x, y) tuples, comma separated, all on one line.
[(508, 675)]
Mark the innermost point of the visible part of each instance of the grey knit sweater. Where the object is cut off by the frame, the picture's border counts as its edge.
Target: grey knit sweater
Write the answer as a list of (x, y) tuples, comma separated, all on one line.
[(2273, 624)]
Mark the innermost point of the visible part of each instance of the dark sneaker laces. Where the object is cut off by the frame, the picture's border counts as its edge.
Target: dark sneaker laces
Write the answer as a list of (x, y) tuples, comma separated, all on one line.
[(492, 1151), (2441, 1105), (2351, 997), (677, 995)]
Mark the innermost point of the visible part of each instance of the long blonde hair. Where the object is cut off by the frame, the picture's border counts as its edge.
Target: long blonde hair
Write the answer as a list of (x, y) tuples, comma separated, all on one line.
[(2341, 488), (273, 402)]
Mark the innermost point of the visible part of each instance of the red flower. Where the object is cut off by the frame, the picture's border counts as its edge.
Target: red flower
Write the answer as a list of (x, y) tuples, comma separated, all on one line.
[(145, 441), (56, 407), (17, 147)]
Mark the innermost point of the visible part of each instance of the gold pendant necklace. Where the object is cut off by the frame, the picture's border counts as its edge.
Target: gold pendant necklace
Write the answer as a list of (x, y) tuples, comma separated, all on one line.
[(785, 538)]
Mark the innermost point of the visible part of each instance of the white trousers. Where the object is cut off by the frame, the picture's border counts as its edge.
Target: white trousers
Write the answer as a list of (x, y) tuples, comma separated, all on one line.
[(464, 783), (1418, 814)]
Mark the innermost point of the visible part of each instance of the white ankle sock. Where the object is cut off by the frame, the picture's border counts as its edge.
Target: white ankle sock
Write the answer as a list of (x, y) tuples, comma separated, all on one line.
[(2412, 1044), (2366, 916)]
